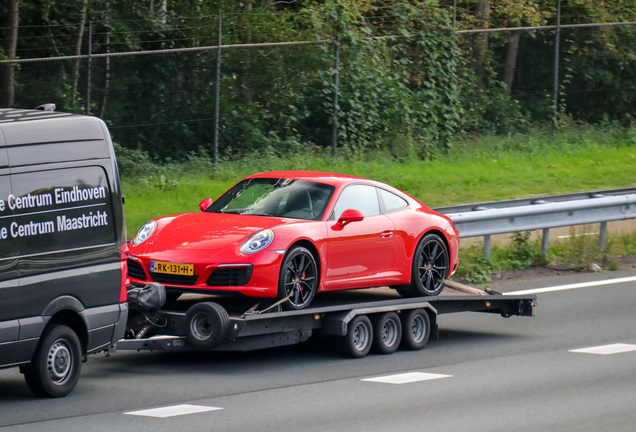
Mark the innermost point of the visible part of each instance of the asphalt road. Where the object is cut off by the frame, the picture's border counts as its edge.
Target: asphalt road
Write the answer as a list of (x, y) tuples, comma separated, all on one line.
[(485, 373)]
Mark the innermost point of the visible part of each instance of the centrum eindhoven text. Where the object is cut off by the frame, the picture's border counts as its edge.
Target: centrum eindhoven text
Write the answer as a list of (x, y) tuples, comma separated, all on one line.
[(60, 196)]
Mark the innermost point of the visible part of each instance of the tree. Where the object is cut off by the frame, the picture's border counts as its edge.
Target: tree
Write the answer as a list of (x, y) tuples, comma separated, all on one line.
[(9, 47)]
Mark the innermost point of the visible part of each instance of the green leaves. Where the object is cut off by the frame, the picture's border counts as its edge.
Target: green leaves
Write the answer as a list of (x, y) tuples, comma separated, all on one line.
[(405, 85)]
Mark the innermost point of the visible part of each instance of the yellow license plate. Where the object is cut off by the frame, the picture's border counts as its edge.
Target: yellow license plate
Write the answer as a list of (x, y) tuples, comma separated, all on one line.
[(172, 268)]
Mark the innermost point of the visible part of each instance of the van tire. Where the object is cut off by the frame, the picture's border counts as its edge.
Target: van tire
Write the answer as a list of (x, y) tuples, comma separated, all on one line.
[(56, 364)]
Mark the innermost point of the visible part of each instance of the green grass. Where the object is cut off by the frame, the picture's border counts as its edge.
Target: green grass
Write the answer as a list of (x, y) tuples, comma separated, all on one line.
[(495, 168)]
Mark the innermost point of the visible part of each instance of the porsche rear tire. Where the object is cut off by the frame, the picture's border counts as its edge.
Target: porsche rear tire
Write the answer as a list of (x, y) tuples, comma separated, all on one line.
[(430, 267), (298, 280)]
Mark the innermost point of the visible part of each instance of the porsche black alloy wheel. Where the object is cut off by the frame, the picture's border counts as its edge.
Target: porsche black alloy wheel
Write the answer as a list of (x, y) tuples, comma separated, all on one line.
[(298, 278), (430, 266)]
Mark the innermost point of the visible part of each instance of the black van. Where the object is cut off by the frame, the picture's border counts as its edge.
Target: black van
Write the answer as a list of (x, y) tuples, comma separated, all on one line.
[(63, 271)]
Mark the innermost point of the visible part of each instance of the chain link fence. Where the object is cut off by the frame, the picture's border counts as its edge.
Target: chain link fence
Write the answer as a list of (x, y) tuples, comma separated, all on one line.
[(220, 97)]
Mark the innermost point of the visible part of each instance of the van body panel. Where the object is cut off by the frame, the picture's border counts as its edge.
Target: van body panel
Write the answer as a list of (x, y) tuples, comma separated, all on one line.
[(62, 229), (51, 129), (31, 328)]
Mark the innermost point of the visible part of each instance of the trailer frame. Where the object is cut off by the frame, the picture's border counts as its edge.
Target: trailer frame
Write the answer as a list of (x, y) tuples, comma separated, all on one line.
[(169, 328)]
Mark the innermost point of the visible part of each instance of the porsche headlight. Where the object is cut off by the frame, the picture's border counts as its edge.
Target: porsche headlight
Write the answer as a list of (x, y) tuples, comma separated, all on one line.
[(257, 242), (144, 233)]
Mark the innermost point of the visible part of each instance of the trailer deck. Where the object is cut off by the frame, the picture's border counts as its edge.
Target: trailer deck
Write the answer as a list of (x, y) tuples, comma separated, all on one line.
[(358, 320)]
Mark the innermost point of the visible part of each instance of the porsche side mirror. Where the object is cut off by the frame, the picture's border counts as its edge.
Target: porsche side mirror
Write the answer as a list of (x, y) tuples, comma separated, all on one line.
[(348, 216), (205, 204)]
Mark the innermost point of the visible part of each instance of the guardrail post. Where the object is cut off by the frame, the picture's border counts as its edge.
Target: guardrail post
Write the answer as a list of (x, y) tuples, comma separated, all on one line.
[(545, 241), (487, 246), (603, 235)]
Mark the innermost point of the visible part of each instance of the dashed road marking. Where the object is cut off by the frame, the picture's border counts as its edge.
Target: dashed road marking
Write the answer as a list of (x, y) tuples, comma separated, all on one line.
[(617, 348), (406, 378), (173, 411)]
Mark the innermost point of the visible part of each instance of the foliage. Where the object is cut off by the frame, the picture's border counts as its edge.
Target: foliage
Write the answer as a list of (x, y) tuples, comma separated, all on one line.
[(519, 254), (403, 85), (581, 250), (490, 111), (408, 83), (473, 266)]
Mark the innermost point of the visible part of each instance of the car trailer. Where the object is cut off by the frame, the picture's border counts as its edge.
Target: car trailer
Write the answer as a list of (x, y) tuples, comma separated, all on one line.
[(359, 321)]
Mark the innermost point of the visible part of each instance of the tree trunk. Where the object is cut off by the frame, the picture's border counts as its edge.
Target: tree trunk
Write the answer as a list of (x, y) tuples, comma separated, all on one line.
[(78, 51), (102, 109), (481, 48), (7, 70), (511, 61)]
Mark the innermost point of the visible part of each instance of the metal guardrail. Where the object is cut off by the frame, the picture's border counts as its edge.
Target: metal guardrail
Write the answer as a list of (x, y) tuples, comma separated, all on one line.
[(543, 213)]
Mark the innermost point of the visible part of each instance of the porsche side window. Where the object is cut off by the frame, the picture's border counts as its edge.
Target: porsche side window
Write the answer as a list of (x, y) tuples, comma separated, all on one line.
[(392, 202), (360, 197)]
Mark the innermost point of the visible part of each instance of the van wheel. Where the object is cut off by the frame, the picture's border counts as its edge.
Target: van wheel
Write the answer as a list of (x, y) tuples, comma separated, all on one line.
[(207, 325), (56, 364)]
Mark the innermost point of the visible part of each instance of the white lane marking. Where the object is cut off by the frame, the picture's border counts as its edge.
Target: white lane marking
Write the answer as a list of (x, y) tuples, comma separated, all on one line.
[(173, 411), (406, 378), (617, 348), (574, 286)]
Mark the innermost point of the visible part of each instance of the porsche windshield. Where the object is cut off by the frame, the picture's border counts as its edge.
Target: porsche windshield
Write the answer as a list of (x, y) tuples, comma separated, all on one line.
[(286, 198)]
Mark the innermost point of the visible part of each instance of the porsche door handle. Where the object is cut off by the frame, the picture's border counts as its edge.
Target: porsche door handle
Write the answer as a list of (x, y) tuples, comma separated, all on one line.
[(386, 234)]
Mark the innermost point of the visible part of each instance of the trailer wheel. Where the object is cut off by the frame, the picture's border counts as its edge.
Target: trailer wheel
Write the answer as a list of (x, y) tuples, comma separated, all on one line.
[(357, 342), (416, 329), (207, 325), (56, 364), (387, 333)]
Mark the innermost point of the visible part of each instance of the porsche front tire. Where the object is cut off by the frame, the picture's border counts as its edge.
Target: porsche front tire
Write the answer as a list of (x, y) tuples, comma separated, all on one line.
[(298, 280)]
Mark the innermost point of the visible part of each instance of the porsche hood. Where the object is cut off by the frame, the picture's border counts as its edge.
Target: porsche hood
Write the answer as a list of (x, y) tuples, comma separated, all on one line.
[(192, 233)]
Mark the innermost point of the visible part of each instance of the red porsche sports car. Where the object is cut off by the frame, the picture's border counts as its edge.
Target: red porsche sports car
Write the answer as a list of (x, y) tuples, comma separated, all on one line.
[(291, 234)]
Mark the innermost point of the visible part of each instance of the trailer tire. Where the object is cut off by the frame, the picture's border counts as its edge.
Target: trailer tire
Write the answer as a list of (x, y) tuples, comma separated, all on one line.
[(56, 364), (416, 329), (358, 340), (207, 325), (387, 333)]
